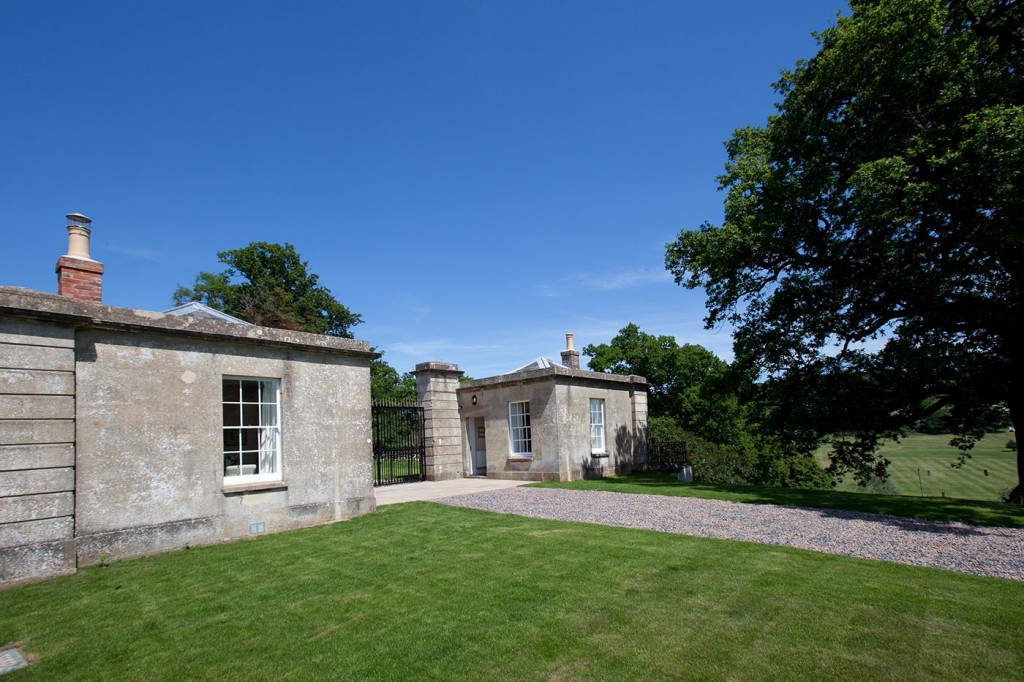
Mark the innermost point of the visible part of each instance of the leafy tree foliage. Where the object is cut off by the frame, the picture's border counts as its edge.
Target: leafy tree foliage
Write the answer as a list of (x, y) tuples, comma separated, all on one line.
[(270, 285), (387, 385), (872, 253), (685, 382), (696, 399)]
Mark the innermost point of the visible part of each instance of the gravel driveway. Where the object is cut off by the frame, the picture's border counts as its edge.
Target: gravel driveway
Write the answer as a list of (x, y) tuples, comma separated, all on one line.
[(979, 550)]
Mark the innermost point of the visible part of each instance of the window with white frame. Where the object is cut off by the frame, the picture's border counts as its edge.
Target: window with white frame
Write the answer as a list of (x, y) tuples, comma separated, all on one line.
[(519, 428), (597, 425), (252, 429)]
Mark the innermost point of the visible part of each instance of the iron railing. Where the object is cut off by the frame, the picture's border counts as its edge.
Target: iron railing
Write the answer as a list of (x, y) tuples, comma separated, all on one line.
[(399, 445), (667, 454)]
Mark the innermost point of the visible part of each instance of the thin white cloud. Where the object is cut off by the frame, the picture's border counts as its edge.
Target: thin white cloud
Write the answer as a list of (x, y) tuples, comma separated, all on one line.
[(550, 291), (433, 347), (626, 280), (605, 281)]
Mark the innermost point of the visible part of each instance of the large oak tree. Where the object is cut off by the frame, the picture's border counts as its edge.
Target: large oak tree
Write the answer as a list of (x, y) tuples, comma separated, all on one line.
[(270, 285), (872, 252)]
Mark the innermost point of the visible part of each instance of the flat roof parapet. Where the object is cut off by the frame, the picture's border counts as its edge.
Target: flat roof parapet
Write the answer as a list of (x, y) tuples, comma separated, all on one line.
[(554, 372), (28, 303)]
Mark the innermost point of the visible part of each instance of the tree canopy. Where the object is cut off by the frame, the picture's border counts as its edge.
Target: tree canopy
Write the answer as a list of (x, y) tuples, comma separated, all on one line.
[(688, 383), (872, 251), (387, 385), (697, 400), (270, 285)]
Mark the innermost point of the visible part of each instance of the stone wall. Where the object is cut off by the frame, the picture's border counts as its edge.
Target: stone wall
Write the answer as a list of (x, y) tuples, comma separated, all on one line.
[(640, 429), (37, 456), (559, 400), (150, 462), (436, 386), (111, 432)]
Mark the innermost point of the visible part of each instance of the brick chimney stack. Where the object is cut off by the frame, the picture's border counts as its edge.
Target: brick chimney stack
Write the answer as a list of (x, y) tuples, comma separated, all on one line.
[(570, 356), (79, 276)]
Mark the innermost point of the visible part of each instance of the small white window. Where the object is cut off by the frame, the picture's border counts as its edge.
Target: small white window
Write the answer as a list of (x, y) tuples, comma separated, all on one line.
[(597, 425), (519, 428), (252, 429)]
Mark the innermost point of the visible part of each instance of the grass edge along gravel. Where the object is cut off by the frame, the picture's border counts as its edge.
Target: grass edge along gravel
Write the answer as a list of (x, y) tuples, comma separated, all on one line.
[(421, 590), (975, 512)]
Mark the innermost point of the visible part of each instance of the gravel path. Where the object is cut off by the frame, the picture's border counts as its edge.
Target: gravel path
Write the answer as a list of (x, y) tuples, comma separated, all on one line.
[(979, 550)]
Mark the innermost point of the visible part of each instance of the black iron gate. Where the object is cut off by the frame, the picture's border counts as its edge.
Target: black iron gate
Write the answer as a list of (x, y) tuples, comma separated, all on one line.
[(398, 444)]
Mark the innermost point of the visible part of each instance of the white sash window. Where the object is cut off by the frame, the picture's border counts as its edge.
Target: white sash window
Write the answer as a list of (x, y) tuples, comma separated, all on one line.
[(252, 429), (519, 428), (597, 426)]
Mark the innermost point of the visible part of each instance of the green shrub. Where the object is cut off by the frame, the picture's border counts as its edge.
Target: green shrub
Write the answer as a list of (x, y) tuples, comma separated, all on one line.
[(792, 470), (714, 463), (1011, 445), (665, 429), (880, 486)]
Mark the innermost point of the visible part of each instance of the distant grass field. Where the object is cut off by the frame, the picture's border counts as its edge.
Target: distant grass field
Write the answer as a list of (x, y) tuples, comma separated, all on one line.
[(931, 456)]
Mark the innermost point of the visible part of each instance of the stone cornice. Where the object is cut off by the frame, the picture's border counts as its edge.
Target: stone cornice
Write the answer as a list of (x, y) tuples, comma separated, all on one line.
[(27, 303), (555, 373)]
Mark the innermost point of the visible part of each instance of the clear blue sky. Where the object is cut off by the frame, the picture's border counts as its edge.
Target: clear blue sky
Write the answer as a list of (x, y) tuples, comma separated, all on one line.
[(474, 177)]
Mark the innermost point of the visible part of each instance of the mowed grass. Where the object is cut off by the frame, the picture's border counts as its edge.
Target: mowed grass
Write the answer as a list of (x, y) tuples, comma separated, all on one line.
[(385, 470), (423, 591), (921, 465)]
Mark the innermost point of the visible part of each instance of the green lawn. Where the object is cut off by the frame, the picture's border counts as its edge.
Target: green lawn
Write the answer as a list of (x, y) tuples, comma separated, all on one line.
[(423, 591), (977, 512), (395, 468), (918, 454)]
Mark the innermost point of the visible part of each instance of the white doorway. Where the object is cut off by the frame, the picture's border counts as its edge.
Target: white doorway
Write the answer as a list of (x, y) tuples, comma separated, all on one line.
[(477, 446)]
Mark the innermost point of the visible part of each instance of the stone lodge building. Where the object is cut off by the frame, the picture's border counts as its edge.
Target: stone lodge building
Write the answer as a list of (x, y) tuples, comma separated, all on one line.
[(540, 422), (125, 432)]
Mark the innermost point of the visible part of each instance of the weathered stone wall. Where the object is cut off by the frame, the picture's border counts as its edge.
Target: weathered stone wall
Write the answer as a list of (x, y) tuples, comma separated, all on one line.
[(492, 404), (560, 422), (150, 462), (640, 429), (436, 386), (37, 455), (111, 432), (579, 460)]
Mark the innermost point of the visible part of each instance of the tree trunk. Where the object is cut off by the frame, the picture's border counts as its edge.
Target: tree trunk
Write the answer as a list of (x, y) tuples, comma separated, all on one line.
[(1016, 407)]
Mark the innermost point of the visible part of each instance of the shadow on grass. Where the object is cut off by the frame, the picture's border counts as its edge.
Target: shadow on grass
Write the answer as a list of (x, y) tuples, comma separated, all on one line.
[(975, 512)]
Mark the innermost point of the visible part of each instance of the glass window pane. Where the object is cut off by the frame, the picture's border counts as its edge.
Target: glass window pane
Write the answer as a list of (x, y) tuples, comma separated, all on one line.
[(230, 390), (232, 415), (268, 392), (250, 415), (250, 391), (268, 414), (250, 463), (268, 439), (232, 439), (230, 459), (267, 462), (250, 439)]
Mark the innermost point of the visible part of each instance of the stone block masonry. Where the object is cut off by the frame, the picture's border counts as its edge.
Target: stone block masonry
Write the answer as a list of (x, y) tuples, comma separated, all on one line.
[(436, 386), (111, 426), (37, 456)]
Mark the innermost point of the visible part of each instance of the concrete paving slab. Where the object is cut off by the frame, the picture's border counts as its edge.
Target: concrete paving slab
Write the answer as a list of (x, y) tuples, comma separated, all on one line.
[(432, 490), (11, 660)]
